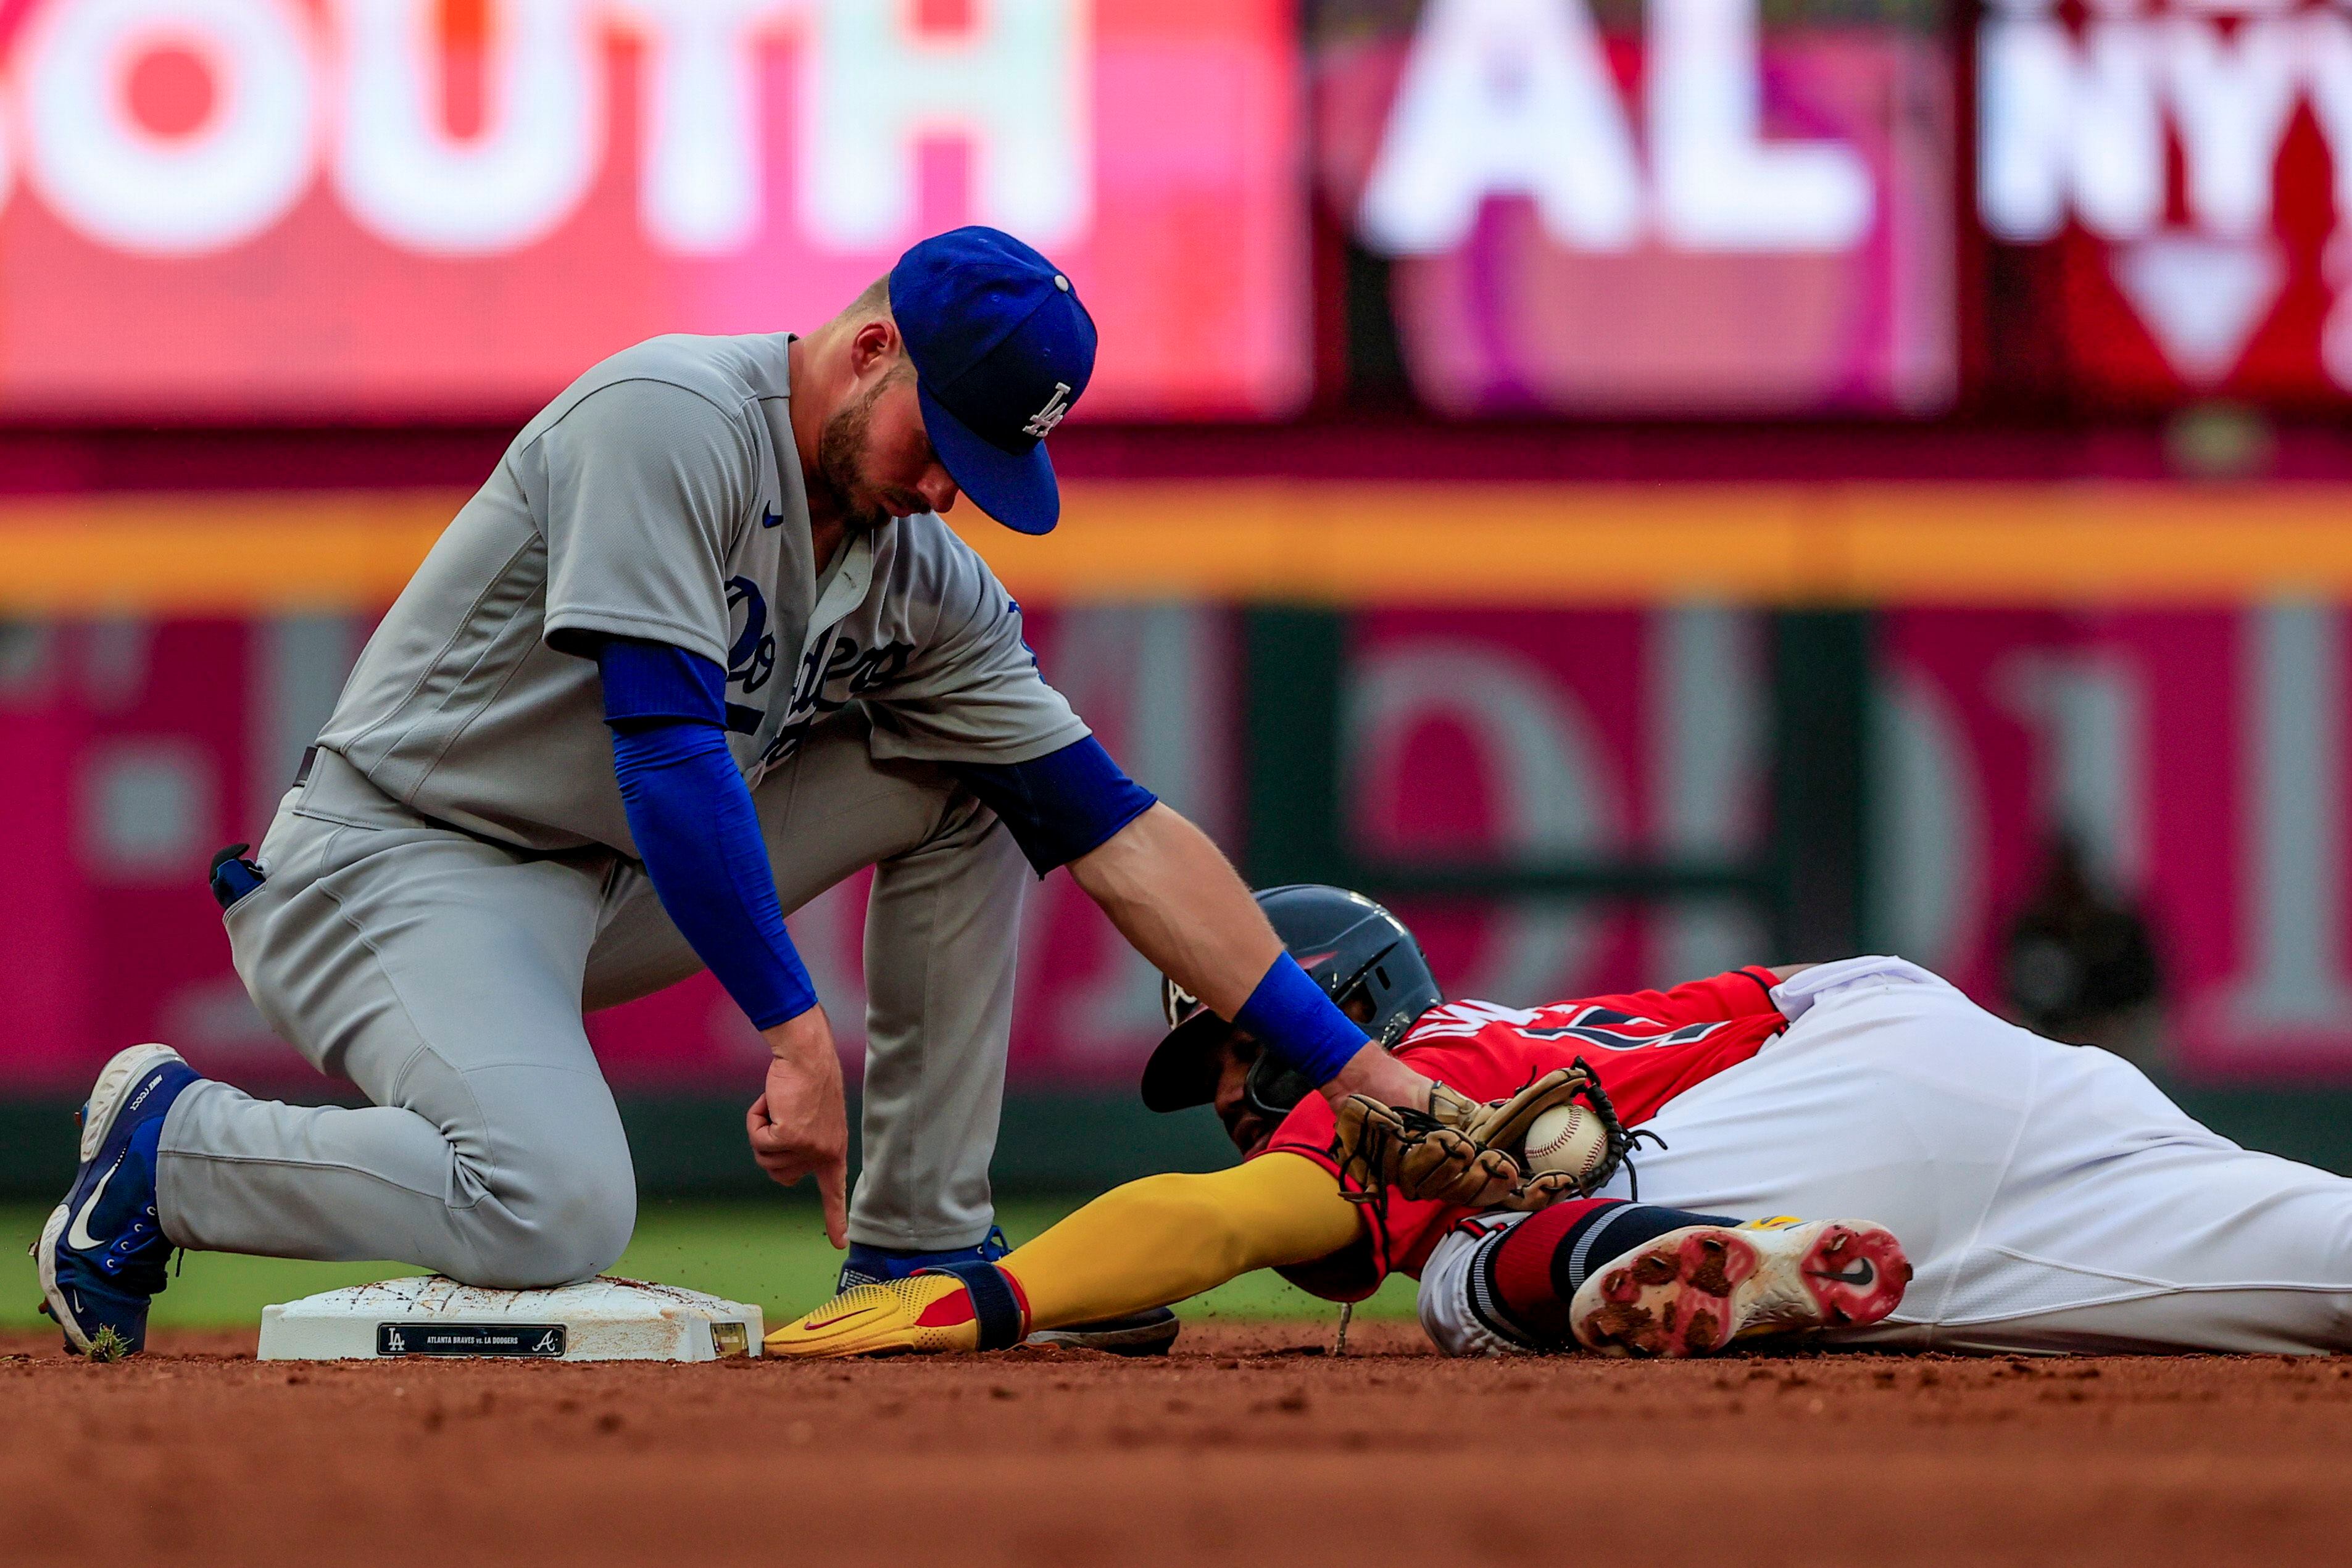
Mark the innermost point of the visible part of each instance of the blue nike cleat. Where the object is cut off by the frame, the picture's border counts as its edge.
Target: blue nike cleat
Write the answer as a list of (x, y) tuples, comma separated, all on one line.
[(1148, 1332), (103, 1253), (880, 1265)]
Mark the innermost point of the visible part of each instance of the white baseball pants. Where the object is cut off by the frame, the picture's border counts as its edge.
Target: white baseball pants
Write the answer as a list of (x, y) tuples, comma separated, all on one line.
[(2052, 1199)]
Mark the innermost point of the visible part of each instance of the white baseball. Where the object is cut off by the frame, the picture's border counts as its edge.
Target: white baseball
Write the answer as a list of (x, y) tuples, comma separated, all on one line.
[(1567, 1139)]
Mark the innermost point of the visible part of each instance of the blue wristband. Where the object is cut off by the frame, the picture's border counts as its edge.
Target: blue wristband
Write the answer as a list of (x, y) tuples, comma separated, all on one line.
[(1291, 1016)]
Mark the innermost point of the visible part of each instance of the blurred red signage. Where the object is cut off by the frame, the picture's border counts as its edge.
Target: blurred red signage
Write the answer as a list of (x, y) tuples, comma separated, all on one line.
[(135, 747), (402, 207), (2176, 173), (2199, 756), (1702, 215)]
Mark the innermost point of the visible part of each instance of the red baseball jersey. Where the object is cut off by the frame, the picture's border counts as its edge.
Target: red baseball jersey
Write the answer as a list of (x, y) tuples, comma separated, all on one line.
[(1646, 1048)]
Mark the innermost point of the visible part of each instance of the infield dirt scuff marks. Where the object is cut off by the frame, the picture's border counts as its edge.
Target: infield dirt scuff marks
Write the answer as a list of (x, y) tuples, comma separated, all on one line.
[(1251, 1445)]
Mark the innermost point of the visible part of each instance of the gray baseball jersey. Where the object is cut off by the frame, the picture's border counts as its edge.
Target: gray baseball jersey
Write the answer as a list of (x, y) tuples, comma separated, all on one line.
[(660, 496)]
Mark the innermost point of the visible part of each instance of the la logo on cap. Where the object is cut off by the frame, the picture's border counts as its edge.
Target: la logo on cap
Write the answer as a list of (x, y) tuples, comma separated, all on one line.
[(994, 331), (1042, 425)]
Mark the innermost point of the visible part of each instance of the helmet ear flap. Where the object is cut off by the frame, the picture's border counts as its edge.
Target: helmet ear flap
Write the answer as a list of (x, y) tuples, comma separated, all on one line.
[(1391, 990), (1273, 1089)]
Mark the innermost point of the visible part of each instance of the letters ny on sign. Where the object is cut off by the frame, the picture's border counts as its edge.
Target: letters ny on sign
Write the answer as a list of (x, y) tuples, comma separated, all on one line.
[(2232, 273)]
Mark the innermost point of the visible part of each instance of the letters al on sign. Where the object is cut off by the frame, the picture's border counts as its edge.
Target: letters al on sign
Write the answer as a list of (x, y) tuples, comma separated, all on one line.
[(1695, 214)]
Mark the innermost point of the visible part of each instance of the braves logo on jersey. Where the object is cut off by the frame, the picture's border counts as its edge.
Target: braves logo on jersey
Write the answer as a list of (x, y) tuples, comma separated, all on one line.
[(1645, 1046), (1623, 1031), (1591, 1024)]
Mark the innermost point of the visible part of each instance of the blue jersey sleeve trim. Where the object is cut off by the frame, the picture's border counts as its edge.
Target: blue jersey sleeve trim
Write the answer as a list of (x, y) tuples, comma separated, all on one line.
[(1062, 805), (656, 681), (696, 830)]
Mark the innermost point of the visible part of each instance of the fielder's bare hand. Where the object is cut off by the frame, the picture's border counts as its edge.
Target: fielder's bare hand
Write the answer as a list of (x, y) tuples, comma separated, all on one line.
[(799, 1126), (1374, 1073)]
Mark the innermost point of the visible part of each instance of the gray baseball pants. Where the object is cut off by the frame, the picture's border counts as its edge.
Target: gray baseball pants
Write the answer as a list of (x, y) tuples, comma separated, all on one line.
[(447, 976)]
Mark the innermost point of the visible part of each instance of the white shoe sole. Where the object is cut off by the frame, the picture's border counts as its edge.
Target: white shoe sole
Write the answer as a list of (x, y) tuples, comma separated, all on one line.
[(1692, 1291), (44, 1255), (98, 1113)]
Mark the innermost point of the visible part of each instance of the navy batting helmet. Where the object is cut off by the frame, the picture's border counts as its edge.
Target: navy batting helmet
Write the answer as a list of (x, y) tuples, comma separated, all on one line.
[(1361, 955)]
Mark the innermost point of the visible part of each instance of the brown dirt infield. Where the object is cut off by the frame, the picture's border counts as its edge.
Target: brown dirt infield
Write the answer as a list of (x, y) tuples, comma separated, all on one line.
[(1248, 1446)]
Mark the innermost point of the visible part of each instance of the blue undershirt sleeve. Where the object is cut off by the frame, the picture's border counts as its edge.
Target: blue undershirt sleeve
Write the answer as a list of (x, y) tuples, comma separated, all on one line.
[(1061, 805), (653, 680), (692, 815)]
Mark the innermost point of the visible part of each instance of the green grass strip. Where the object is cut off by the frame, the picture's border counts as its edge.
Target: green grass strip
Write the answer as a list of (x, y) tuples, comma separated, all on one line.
[(773, 1254)]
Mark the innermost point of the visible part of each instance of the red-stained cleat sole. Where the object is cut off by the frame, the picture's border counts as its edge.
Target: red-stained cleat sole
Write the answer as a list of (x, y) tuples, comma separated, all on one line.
[(1692, 1291), (1856, 1274)]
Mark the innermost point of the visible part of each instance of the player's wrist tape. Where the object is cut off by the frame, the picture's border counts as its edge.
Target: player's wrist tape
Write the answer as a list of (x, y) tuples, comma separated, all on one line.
[(996, 1304), (1290, 1016)]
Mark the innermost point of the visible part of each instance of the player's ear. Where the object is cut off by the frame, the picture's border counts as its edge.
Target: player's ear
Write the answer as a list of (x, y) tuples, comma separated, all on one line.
[(874, 346)]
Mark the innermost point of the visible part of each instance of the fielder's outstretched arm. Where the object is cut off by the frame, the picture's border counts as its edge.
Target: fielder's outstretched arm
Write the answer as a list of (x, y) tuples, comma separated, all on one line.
[(1174, 896), (1148, 1244)]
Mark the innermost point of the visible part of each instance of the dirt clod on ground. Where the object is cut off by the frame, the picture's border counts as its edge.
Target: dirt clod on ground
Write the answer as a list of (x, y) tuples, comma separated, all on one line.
[(1249, 1445)]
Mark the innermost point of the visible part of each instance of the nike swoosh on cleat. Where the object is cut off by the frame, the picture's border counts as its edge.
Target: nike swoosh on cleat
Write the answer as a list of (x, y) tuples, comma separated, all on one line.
[(1859, 1274), (836, 1318), (78, 1237)]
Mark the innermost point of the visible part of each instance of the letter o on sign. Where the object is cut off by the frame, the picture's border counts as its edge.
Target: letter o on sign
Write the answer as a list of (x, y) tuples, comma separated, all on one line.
[(218, 182)]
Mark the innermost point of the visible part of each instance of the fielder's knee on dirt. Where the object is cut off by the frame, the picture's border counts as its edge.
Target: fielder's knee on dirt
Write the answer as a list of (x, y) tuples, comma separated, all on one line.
[(550, 1219), (541, 1191)]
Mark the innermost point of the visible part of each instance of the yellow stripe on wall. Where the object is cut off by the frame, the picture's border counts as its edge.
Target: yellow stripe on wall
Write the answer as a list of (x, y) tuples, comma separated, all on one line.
[(214, 554), (1993, 545)]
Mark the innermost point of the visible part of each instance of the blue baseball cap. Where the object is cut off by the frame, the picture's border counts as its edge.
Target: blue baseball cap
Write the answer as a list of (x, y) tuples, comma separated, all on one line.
[(1002, 350)]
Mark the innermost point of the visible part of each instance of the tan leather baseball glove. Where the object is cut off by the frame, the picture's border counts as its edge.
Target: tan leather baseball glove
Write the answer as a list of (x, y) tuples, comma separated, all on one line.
[(1461, 1151)]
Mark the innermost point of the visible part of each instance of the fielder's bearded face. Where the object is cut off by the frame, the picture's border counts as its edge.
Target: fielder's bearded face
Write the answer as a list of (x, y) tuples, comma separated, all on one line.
[(875, 458)]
